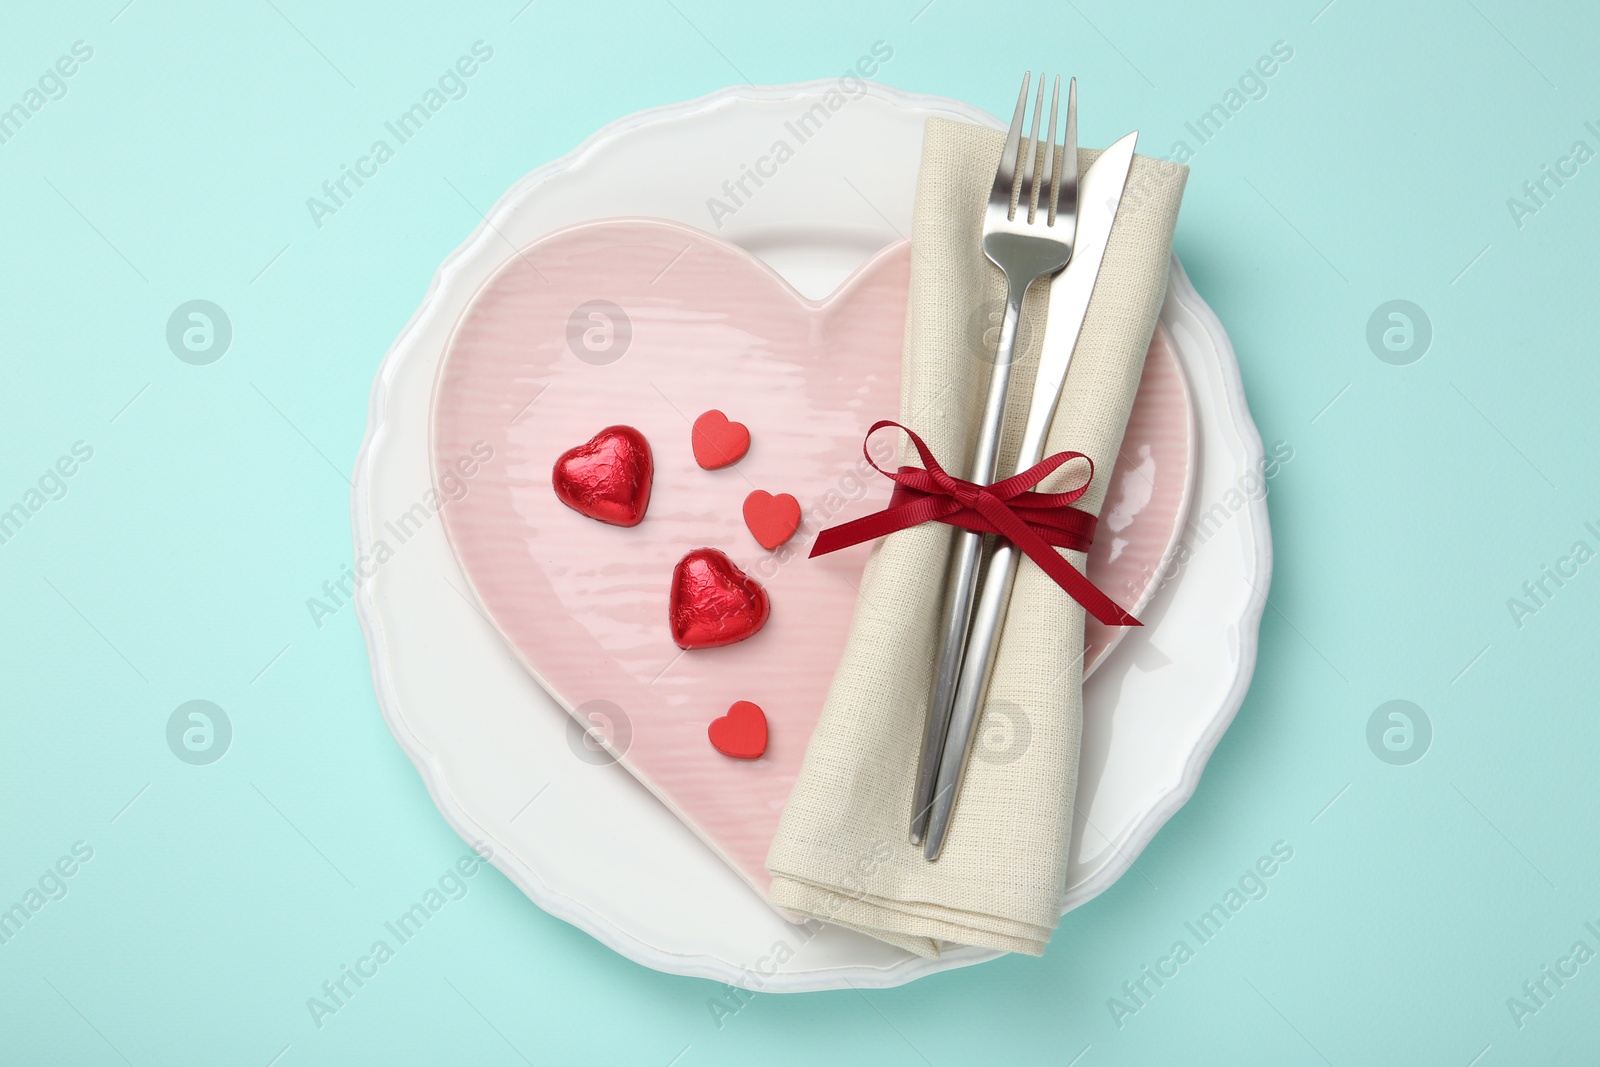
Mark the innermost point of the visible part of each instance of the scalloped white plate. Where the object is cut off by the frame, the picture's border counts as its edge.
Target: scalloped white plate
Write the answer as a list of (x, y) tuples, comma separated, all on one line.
[(510, 769)]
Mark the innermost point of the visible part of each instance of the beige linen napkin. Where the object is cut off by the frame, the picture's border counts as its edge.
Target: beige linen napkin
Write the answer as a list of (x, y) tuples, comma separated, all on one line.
[(841, 853)]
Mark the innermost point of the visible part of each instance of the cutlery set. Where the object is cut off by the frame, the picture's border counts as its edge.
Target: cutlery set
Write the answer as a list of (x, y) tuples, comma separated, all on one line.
[(1039, 224)]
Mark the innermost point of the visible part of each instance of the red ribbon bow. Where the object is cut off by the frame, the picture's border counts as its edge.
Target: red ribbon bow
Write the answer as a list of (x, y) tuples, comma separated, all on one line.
[(1032, 521)]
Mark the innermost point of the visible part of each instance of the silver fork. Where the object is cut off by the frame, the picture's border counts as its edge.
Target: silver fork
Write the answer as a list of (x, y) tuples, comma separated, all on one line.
[(1028, 232)]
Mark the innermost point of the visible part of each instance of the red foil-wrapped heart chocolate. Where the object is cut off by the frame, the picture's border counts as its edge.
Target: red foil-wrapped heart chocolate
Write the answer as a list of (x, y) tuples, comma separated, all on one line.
[(713, 602), (607, 477)]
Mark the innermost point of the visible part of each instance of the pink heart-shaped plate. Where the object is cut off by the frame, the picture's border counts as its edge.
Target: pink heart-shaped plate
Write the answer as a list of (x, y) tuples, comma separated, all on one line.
[(649, 323)]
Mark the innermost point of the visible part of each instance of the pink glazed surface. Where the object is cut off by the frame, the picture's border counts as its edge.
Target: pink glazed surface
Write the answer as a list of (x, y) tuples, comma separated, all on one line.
[(584, 605)]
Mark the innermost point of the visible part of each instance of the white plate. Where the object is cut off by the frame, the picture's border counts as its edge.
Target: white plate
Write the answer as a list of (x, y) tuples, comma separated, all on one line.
[(510, 769)]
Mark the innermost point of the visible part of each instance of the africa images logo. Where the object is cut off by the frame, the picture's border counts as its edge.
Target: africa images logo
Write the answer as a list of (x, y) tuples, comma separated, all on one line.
[(51, 85), (451, 85), (1252, 885), (737, 192)]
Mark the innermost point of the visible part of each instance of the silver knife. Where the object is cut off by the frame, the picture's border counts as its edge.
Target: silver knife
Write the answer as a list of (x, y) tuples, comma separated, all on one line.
[(1098, 199)]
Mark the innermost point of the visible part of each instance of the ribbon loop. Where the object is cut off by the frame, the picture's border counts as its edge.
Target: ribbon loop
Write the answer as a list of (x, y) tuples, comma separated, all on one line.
[(1037, 523)]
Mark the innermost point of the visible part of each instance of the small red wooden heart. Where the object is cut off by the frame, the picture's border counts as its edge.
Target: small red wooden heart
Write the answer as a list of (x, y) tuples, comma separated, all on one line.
[(713, 602), (718, 442), (772, 519), (607, 477), (742, 733)]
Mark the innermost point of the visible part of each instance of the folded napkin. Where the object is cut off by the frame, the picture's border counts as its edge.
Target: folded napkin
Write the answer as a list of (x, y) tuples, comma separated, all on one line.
[(842, 854)]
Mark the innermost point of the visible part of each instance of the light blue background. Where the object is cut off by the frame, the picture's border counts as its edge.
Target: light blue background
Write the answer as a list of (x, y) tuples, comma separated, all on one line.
[(177, 565)]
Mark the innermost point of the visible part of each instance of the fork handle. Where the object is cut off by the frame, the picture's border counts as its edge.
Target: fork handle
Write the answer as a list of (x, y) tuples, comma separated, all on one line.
[(960, 588), (973, 682), (961, 584)]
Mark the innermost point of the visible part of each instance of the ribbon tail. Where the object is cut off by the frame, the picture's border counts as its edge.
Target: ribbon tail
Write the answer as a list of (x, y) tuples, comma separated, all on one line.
[(880, 524), (1081, 589), (1064, 574), (835, 538)]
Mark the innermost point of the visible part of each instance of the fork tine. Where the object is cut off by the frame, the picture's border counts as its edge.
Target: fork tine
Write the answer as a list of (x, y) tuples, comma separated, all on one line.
[(1069, 146), (1048, 182), (1005, 175), (1028, 192)]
